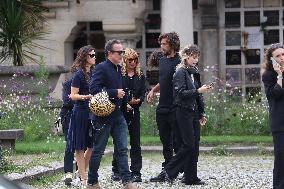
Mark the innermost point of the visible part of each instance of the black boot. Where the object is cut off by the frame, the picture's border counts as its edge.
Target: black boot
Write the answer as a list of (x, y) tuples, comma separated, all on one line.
[(136, 177), (115, 177), (197, 181), (160, 178)]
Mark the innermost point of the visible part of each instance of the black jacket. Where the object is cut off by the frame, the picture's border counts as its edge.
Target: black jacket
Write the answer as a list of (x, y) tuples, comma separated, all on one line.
[(275, 96), (185, 91), (139, 88), (108, 77)]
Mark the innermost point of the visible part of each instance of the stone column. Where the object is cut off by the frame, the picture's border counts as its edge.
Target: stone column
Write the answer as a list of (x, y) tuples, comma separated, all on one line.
[(209, 40), (177, 16)]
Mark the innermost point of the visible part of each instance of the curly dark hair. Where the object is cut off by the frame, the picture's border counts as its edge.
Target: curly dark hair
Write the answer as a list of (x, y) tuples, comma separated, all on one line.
[(155, 56), (81, 60), (267, 63), (173, 40)]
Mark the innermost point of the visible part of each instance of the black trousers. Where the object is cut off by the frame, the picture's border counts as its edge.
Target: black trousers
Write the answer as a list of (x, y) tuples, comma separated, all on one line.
[(68, 156), (133, 120), (278, 171), (187, 157), (167, 127)]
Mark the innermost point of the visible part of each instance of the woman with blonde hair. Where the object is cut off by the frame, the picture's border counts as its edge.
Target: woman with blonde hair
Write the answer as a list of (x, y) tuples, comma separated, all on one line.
[(135, 89), (80, 129)]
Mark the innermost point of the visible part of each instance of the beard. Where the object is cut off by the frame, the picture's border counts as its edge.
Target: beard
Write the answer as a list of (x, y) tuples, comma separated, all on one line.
[(166, 52)]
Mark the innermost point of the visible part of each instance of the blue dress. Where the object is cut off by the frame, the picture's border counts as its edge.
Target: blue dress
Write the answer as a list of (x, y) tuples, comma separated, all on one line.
[(80, 128)]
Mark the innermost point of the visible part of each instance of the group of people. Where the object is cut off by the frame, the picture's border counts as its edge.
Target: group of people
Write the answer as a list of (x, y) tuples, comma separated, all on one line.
[(179, 114)]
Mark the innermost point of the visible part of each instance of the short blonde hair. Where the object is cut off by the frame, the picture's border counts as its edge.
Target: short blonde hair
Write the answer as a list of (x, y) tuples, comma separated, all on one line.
[(133, 54), (187, 51)]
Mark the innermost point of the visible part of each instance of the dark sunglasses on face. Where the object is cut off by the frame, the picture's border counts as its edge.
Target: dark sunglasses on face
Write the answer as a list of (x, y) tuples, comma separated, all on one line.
[(92, 55), (118, 52), (132, 59)]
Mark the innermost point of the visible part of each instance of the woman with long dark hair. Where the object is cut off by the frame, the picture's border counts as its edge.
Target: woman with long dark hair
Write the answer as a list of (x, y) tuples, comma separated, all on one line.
[(80, 135), (272, 78)]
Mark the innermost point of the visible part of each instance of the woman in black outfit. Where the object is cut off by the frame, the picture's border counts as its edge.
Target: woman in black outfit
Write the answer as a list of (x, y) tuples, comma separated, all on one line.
[(189, 114), (273, 83), (135, 89)]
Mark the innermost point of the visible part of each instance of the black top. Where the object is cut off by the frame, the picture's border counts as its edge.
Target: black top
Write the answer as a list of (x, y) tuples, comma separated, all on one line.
[(135, 87), (275, 96), (167, 68)]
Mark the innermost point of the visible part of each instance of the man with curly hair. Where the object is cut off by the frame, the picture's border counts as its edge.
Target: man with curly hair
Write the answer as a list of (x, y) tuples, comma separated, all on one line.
[(165, 116)]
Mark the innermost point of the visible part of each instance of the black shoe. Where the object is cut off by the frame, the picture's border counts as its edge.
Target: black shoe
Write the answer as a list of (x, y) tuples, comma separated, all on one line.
[(196, 182), (136, 178), (115, 177), (160, 178)]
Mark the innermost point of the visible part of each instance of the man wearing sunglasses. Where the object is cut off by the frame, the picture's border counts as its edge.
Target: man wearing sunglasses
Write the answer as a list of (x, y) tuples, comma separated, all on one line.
[(107, 76)]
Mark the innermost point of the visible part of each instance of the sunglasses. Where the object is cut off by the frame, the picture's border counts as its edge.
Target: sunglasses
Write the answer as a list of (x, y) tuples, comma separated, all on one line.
[(92, 55), (118, 52), (132, 59)]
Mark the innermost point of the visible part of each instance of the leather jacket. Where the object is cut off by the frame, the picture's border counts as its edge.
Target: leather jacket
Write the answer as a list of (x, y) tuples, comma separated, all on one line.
[(185, 90)]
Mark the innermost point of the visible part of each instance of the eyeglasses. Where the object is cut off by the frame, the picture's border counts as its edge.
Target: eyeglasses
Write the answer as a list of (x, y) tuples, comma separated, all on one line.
[(118, 52), (92, 55)]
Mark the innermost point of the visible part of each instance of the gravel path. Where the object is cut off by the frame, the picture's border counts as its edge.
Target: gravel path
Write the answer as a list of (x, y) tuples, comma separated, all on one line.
[(226, 172)]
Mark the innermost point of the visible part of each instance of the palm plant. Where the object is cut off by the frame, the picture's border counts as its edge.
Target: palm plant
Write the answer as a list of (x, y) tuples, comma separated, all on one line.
[(21, 24)]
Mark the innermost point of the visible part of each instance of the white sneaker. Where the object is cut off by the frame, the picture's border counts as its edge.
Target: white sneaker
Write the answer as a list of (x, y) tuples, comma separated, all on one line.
[(68, 179)]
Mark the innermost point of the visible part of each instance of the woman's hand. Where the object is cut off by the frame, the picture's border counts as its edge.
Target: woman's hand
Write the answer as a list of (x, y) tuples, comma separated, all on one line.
[(277, 69), (203, 121), (204, 89)]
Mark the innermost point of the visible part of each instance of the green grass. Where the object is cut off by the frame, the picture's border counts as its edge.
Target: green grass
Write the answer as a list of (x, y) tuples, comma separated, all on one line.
[(44, 146), (57, 144)]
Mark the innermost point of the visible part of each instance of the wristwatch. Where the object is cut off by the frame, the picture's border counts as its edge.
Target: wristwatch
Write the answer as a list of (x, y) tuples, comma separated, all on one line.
[(279, 77)]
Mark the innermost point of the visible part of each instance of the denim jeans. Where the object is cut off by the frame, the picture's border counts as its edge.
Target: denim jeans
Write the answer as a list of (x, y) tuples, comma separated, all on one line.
[(118, 129), (133, 122)]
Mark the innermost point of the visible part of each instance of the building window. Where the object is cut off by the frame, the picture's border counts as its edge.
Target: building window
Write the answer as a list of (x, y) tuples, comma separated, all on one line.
[(252, 56), (153, 21), (252, 75), (233, 57), (272, 18), (96, 26), (233, 38), (252, 18), (234, 76), (271, 36), (232, 3), (156, 4), (232, 19), (152, 40), (90, 33)]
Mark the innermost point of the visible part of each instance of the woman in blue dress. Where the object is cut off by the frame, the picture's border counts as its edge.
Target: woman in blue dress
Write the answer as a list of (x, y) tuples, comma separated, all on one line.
[(80, 129)]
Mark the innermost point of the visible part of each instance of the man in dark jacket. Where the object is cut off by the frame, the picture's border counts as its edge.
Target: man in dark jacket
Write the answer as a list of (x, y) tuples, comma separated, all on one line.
[(107, 76)]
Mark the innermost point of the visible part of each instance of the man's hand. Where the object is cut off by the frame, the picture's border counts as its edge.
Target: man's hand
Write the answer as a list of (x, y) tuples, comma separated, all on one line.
[(120, 93)]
